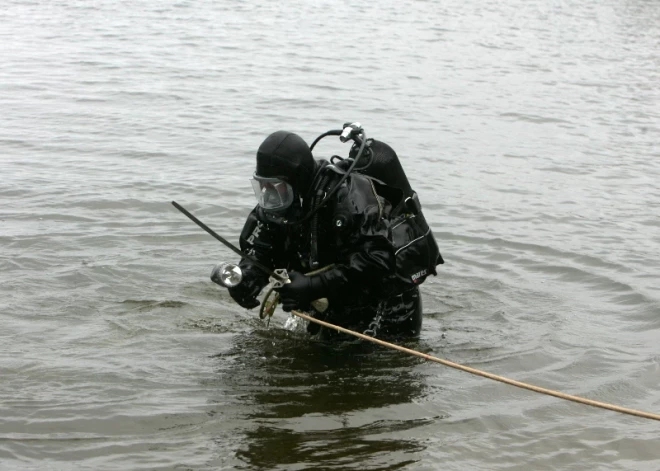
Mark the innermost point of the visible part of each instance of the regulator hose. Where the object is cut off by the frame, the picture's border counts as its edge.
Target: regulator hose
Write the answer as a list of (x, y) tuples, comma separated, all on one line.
[(362, 140), (314, 225)]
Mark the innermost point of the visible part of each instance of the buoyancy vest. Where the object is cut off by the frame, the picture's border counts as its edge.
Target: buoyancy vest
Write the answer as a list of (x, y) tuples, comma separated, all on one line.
[(416, 250)]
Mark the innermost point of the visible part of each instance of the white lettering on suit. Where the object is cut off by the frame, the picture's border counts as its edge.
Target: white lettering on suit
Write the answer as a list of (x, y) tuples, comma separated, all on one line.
[(418, 275), (255, 233)]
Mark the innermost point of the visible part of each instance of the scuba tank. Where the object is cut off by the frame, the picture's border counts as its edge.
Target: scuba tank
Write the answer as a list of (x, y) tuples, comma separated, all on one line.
[(417, 252)]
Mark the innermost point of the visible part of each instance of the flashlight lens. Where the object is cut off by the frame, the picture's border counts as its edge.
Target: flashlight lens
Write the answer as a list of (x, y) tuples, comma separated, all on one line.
[(227, 275)]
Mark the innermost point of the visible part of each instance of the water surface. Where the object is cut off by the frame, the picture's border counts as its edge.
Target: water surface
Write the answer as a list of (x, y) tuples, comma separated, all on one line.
[(530, 131)]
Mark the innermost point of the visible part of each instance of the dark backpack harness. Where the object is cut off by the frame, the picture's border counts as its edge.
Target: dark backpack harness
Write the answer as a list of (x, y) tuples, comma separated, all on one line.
[(416, 250)]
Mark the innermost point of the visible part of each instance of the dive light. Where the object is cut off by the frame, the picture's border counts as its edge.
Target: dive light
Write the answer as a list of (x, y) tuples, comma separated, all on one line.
[(227, 275)]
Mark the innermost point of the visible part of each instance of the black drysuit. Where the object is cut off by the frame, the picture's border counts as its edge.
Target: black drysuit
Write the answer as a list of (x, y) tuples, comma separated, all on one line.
[(354, 233)]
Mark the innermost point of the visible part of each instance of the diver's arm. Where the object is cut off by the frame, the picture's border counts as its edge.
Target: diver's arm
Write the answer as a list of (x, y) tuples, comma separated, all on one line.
[(364, 271), (365, 260), (366, 256), (256, 240)]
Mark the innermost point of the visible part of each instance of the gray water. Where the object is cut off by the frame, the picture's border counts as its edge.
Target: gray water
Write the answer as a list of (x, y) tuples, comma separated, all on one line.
[(530, 129)]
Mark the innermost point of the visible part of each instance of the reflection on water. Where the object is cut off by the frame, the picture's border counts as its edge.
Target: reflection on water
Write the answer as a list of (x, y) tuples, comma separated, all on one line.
[(342, 448), (321, 404)]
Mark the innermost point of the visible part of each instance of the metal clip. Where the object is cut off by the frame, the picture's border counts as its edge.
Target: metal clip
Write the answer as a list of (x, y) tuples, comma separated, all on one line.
[(282, 278), (374, 325)]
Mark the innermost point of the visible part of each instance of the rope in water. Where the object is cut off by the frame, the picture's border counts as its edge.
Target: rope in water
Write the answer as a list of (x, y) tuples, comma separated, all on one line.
[(531, 387)]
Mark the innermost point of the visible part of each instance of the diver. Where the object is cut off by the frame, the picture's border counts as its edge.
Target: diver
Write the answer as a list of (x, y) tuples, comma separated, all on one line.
[(349, 230)]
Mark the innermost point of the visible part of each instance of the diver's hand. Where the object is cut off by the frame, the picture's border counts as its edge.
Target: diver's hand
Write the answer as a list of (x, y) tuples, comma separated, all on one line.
[(246, 292), (300, 291), (246, 300)]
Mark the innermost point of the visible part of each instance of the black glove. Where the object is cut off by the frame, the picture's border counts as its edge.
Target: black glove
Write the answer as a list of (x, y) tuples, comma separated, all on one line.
[(246, 292), (301, 291), (245, 295)]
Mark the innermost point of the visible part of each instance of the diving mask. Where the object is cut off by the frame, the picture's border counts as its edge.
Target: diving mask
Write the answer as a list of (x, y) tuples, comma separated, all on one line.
[(273, 194)]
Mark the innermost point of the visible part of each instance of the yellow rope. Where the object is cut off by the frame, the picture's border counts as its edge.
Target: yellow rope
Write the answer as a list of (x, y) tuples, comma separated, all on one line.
[(531, 387)]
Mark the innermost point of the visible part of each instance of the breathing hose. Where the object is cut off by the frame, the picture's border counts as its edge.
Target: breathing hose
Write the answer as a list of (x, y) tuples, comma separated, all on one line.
[(362, 140)]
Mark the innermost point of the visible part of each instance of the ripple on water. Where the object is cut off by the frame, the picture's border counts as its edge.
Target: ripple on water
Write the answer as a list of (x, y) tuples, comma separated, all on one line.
[(531, 147)]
